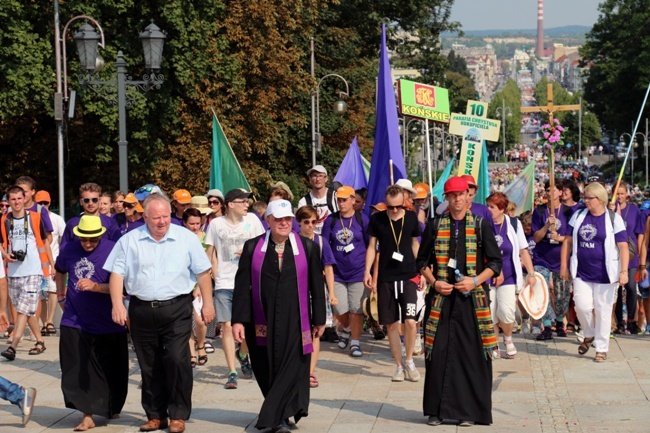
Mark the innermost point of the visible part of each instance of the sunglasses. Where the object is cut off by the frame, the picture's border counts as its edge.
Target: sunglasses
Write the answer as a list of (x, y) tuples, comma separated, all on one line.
[(129, 205), (88, 200), (398, 207), (44, 203), (89, 240), (311, 222), (214, 202), (144, 189)]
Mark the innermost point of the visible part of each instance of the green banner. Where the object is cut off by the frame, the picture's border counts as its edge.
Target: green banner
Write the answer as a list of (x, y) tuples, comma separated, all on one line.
[(423, 101)]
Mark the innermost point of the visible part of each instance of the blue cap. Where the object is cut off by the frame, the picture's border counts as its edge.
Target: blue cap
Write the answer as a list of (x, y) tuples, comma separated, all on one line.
[(144, 191)]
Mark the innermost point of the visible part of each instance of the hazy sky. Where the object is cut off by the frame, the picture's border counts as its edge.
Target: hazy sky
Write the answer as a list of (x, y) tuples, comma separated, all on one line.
[(522, 14)]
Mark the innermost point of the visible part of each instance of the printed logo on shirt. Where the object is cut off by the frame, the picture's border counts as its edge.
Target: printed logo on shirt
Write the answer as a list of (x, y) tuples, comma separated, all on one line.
[(344, 237), (531, 244), (587, 233), (84, 268), (558, 224), (499, 240)]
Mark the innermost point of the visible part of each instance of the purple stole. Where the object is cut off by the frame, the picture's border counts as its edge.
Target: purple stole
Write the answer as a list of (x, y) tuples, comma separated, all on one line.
[(259, 318)]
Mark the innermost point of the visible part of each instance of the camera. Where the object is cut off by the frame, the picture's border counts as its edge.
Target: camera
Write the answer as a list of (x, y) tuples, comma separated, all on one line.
[(19, 255)]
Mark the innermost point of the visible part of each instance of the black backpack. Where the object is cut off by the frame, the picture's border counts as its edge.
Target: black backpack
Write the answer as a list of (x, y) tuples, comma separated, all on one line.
[(330, 197), (357, 216)]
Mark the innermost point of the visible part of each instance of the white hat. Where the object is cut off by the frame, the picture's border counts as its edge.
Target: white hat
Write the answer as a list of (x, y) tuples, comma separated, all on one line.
[(318, 168), (535, 299), (279, 209), (407, 185)]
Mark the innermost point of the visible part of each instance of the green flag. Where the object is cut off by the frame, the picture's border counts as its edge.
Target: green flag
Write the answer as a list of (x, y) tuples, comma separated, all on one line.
[(439, 188), (225, 171), (483, 180), (522, 190)]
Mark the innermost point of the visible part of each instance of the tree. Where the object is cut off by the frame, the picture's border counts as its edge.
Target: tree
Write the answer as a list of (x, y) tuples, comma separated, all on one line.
[(617, 53), (511, 96)]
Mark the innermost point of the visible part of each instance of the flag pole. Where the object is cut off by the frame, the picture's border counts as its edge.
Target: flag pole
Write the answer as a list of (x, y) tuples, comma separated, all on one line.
[(390, 165), (426, 133), (636, 126)]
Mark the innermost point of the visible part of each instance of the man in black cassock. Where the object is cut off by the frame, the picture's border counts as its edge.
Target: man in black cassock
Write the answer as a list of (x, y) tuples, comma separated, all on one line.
[(459, 335), (279, 308)]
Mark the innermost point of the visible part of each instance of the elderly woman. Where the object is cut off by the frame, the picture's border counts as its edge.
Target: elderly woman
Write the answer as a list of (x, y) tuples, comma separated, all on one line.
[(510, 237), (598, 265), (93, 349)]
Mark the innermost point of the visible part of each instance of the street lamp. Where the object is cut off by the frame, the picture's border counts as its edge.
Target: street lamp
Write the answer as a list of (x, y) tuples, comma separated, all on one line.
[(340, 107), (404, 132), (501, 113)]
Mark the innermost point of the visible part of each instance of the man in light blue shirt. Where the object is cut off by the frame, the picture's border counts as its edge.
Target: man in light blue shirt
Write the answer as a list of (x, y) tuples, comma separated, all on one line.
[(159, 265)]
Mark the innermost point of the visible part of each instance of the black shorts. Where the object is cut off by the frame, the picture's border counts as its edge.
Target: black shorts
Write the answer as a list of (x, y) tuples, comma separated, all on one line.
[(396, 297)]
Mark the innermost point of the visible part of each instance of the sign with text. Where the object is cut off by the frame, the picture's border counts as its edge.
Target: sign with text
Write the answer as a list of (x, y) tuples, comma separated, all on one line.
[(423, 101), (474, 127)]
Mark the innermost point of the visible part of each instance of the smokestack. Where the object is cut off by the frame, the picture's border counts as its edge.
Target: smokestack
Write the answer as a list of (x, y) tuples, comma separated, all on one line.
[(539, 50)]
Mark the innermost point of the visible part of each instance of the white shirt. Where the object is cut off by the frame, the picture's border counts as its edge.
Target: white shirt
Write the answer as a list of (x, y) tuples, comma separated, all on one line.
[(228, 241), (320, 204), (19, 242), (58, 227)]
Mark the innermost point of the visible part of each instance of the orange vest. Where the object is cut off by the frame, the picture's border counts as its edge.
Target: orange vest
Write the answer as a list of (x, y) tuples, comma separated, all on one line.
[(35, 222)]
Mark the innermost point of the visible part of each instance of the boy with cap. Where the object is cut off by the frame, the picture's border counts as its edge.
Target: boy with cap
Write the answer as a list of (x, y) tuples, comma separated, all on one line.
[(320, 197), (181, 200), (476, 208)]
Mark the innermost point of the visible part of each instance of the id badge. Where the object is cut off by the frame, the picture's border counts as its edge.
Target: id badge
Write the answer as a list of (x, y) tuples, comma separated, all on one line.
[(348, 248), (397, 256), (452, 263)]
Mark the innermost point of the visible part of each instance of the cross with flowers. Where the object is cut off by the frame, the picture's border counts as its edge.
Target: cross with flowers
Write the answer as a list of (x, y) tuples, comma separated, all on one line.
[(552, 132)]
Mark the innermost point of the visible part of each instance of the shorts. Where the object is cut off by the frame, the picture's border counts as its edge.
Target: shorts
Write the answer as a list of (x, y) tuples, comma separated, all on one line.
[(47, 288), (23, 292), (223, 305), (503, 303), (350, 296), (645, 293), (395, 299)]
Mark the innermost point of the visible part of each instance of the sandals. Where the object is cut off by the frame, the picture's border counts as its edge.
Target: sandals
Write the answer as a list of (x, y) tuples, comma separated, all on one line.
[(192, 361), (600, 357), (209, 348), (355, 351), (10, 353), (511, 350), (344, 339), (203, 359), (585, 345), (38, 348), (49, 327), (313, 381)]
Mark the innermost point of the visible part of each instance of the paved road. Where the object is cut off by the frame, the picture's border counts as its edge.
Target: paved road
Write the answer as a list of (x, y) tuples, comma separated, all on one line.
[(548, 388)]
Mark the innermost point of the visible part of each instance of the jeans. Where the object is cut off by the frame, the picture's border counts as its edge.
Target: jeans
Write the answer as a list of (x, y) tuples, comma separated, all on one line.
[(10, 391)]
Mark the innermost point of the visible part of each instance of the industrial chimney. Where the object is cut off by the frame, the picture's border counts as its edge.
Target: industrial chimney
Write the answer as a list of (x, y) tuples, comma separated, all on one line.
[(539, 50)]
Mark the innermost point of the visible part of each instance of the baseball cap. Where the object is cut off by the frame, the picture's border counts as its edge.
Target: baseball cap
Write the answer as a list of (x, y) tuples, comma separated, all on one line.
[(144, 191), (279, 209), (130, 198), (456, 184), (470, 180), (595, 178), (237, 193), (41, 196), (422, 192), (380, 207), (318, 168), (406, 185), (215, 193), (283, 186), (345, 192), (182, 196)]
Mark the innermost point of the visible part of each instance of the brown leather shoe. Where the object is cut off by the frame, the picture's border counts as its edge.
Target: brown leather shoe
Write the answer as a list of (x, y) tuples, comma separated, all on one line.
[(177, 426), (154, 424)]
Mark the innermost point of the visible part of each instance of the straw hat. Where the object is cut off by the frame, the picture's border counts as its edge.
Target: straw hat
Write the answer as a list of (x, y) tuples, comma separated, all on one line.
[(89, 227), (535, 299), (200, 202), (370, 308)]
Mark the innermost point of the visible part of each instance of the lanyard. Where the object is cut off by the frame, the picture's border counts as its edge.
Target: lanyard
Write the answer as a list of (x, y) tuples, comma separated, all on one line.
[(348, 230), (401, 230)]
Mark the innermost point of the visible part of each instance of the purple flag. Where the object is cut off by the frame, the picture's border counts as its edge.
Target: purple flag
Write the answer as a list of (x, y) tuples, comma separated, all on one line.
[(387, 139), (351, 172)]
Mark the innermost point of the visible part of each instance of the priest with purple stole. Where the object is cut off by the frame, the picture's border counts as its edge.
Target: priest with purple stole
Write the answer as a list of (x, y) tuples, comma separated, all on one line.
[(278, 307)]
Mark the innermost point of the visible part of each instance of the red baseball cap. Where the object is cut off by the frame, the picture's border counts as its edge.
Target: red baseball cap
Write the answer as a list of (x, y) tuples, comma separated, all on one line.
[(456, 184), (470, 180)]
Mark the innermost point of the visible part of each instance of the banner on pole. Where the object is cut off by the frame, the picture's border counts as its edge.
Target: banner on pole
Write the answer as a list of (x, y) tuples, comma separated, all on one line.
[(423, 101)]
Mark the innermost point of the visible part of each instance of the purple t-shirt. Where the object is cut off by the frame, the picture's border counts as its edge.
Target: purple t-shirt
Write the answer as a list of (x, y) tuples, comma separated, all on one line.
[(481, 210), (501, 236), (176, 220), (591, 248), (531, 246), (326, 256), (112, 231), (548, 254), (348, 240), (45, 217), (634, 225), (88, 311), (124, 226)]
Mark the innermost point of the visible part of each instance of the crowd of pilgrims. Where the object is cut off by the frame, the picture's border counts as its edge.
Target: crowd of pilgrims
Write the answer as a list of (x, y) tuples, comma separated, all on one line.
[(594, 290)]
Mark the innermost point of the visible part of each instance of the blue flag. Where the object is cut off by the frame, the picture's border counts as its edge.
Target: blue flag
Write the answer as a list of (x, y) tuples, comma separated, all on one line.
[(352, 172), (439, 188), (483, 181), (387, 139)]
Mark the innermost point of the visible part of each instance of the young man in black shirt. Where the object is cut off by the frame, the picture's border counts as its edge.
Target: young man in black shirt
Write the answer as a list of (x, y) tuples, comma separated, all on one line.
[(396, 231)]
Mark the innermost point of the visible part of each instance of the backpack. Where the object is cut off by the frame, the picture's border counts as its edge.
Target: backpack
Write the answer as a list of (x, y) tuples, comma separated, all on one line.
[(330, 197), (357, 216)]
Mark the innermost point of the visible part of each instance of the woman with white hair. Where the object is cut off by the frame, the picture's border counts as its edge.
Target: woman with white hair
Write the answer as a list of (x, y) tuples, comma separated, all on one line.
[(598, 265)]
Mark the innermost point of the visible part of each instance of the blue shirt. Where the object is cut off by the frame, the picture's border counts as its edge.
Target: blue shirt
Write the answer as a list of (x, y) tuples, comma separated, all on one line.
[(158, 271)]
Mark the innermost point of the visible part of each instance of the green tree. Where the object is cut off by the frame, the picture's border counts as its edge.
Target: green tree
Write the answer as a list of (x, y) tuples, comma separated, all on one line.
[(510, 96)]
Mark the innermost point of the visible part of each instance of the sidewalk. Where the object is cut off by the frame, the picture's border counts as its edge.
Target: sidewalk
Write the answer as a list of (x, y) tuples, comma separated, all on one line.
[(548, 388)]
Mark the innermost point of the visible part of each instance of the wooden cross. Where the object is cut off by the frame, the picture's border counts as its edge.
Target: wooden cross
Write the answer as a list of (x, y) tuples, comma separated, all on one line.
[(550, 109)]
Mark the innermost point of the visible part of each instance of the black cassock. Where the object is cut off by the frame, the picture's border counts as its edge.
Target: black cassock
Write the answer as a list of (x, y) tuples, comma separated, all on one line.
[(458, 380), (281, 369)]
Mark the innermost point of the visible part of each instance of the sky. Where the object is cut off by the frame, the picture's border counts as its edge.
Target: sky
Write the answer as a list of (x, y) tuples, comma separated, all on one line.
[(522, 14)]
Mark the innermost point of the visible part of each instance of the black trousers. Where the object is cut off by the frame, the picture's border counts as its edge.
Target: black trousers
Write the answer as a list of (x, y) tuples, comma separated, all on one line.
[(160, 334), (630, 299)]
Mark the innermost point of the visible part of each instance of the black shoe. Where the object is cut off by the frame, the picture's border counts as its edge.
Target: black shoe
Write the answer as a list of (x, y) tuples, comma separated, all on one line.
[(434, 420), (546, 334), (245, 365), (282, 428), (634, 329), (559, 330), (10, 353), (620, 330)]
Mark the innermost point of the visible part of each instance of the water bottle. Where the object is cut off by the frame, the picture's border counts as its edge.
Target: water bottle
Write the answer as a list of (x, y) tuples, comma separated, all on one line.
[(459, 277)]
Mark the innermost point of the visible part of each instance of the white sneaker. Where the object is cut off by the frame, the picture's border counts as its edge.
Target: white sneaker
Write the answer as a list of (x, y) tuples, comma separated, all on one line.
[(417, 349), (27, 404), (536, 330), (647, 329), (412, 373), (399, 374)]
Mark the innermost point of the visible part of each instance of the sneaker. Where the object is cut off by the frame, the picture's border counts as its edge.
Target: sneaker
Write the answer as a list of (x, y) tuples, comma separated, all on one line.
[(232, 381), (559, 330), (417, 349), (536, 330), (647, 329), (634, 329), (546, 334), (27, 404), (412, 374), (434, 420), (245, 363), (399, 374)]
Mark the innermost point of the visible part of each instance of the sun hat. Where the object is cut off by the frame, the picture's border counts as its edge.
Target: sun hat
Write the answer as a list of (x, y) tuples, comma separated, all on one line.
[(317, 168), (456, 184), (89, 226), (283, 186), (345, 192), (201, 203), (182, 196), (279, 209), (144, 191), (370, 308), (215, 193), (535, 299), (41, 196), (407, 185)]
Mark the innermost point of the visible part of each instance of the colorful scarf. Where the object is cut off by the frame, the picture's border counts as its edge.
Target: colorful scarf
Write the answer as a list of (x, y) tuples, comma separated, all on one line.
[(259, 318), (481, 304)]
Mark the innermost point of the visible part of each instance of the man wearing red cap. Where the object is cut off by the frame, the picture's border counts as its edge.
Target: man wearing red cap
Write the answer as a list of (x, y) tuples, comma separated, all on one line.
[(476, 208), (458, 255)]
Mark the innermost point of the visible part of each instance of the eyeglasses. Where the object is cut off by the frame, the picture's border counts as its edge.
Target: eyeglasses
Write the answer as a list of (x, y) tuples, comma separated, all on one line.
[(44, 203), (311, 222), (129, 205), (89, 240), (398, 207), (88, 200), (240, 201), (214, 202), (590, 198), (318, 176)]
